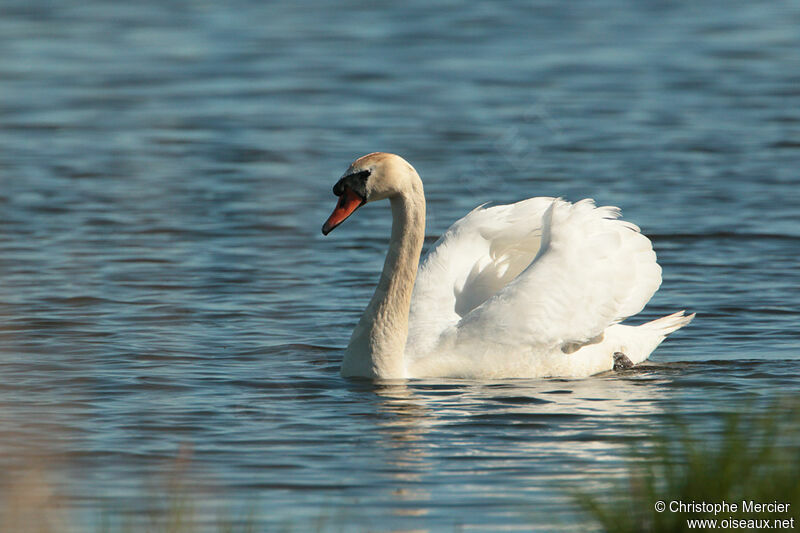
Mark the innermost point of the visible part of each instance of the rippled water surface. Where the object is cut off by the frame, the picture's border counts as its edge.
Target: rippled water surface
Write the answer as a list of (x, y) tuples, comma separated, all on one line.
[(167, 301)]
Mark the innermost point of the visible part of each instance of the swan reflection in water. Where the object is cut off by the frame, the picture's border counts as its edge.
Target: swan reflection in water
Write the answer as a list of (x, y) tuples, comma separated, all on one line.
[(546, 437)]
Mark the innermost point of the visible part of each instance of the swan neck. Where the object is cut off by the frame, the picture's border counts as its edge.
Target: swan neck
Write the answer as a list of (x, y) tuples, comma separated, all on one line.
[(378, 342)]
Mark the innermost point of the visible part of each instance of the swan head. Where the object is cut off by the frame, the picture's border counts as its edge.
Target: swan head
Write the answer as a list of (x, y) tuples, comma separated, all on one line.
[(369, 178)]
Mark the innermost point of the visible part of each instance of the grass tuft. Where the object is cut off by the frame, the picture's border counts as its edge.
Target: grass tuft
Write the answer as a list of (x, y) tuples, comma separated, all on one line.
[(753, 456)]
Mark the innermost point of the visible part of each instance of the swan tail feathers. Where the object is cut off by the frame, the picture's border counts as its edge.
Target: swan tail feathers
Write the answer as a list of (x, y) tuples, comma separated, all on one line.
[(638, 342), (670, 323)]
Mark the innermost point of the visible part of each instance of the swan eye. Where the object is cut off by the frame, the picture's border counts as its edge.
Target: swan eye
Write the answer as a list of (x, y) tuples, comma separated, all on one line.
[(356, 181)]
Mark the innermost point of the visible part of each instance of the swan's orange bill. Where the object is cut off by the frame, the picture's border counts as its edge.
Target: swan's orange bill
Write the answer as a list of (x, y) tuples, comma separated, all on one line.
[(348, 202)]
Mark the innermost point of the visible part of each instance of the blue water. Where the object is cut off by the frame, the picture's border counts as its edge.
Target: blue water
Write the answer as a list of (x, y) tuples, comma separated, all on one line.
[(167, 301)]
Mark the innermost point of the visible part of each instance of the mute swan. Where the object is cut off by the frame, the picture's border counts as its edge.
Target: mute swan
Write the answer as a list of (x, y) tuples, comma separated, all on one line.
[(531, 289)]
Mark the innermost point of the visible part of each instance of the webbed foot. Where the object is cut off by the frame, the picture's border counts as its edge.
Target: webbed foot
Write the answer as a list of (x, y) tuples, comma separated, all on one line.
[(621, 362)]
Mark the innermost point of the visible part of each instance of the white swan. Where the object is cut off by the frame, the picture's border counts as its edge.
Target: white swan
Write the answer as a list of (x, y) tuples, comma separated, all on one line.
[(531, 289)]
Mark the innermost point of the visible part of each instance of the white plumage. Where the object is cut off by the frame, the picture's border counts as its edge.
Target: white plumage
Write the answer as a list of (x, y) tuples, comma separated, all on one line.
[(532, 289)]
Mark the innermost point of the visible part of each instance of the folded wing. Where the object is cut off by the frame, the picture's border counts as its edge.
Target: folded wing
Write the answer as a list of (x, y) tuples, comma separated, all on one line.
[(591, 271), (474, 259)]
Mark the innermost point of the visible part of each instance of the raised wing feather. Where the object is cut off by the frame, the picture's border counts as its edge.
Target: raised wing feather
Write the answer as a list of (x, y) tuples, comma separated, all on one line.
[(590, 272), (474, 259)]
